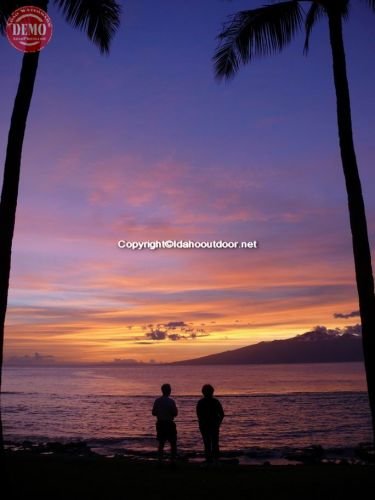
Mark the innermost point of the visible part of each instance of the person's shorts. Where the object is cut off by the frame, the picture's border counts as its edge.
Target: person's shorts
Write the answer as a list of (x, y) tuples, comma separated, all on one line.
[(166, 430)]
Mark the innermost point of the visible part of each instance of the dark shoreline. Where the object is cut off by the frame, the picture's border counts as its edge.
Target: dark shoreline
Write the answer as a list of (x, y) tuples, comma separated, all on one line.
[(67, 477), (363, 454)]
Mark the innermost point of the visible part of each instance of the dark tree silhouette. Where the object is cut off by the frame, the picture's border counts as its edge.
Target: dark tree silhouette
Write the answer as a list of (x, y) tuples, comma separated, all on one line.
[(99, 19), (269, 29)]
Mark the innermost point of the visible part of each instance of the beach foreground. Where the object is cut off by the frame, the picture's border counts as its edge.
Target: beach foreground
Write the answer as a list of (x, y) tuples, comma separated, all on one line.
[(69, 477)]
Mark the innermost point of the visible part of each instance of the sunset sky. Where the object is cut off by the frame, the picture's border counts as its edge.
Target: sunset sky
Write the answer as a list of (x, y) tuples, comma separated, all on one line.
[(145, 145)]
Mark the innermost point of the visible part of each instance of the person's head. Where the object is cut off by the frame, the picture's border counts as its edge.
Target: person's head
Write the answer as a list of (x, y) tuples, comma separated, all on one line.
[(207, 391), (166, 389)]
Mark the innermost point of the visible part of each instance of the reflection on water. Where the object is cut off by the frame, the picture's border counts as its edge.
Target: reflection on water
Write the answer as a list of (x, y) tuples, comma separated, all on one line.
[(267, 406), (188, 380)]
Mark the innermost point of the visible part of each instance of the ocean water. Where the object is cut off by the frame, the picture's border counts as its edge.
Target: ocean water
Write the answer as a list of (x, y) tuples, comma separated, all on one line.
[(267, 407)]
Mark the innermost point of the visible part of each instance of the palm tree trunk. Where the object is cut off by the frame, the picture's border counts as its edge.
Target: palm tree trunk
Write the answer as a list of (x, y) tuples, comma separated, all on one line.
[(358, 224), (9, 194)]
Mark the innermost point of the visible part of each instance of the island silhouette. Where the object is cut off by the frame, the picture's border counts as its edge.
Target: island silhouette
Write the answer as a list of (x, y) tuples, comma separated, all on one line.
[(317, 346)]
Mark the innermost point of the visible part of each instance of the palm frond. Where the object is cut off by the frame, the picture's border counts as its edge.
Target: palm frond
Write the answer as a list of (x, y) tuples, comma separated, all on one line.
[(256, 32), (6, 8), (314, 14), (3, 19), (345, 9), (371, 4), (99, 19)]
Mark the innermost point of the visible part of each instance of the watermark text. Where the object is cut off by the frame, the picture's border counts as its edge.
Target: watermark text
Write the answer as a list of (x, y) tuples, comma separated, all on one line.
[(186, 244)]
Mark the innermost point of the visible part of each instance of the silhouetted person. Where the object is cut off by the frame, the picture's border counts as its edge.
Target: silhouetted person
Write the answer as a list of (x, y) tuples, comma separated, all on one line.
[(210, 415), (165, 410)]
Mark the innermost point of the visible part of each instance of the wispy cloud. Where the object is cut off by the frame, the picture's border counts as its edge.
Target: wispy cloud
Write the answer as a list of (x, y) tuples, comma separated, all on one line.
[(176, 157), (353, 314), (175, 330)]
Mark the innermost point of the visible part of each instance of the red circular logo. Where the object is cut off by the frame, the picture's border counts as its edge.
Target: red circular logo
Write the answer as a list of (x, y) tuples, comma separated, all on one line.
[(29, 29)]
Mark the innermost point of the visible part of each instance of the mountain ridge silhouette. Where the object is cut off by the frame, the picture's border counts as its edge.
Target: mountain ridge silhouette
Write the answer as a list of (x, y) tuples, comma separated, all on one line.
[(317, 346)]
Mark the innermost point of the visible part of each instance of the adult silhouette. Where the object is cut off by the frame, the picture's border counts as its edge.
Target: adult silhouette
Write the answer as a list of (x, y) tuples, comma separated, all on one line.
[(165, 410), (210, 415)]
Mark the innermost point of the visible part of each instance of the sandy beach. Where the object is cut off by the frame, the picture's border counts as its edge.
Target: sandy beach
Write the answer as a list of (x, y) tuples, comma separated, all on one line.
[(71, 477)]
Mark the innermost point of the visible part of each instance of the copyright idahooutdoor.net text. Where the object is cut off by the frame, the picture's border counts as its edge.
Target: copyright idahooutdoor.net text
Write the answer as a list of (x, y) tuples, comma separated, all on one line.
[(186, 244)]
